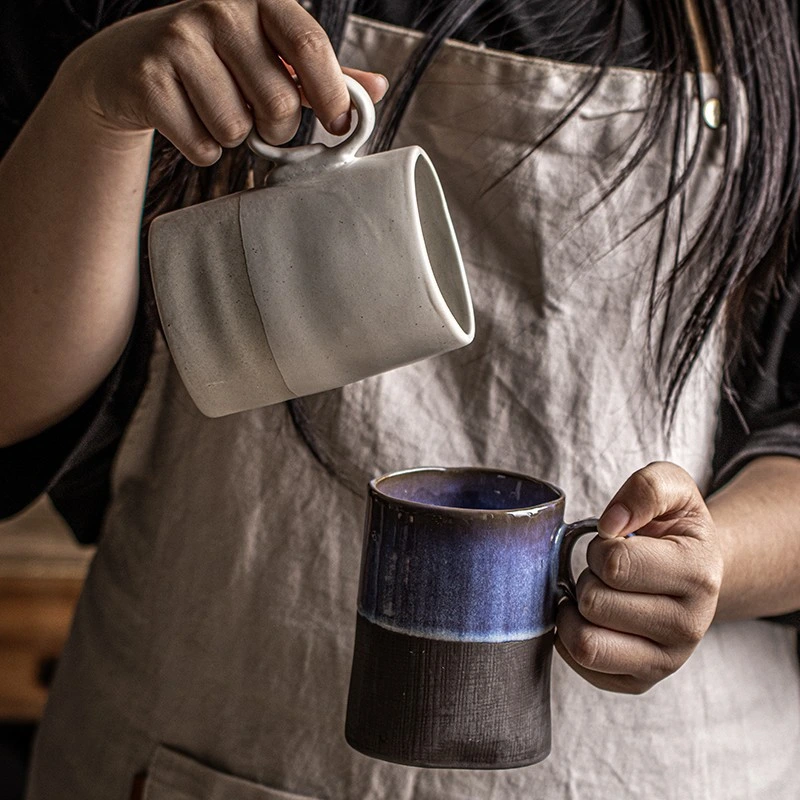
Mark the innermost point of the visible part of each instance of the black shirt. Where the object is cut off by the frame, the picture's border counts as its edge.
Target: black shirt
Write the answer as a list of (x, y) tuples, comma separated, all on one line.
[(71, 461)]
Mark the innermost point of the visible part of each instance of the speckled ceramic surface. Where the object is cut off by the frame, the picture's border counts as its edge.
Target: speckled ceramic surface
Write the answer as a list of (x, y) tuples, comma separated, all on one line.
[(343, 267), (460, 577)]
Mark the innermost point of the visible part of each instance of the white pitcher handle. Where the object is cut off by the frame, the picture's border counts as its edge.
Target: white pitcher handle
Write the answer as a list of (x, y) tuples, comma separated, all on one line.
[(320, 155)]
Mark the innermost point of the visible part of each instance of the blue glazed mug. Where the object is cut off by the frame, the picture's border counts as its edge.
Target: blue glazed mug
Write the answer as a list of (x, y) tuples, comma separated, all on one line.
[(461, 574)]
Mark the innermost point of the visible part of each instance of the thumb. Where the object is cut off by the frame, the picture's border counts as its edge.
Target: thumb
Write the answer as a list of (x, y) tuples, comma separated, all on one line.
[(659, 489)]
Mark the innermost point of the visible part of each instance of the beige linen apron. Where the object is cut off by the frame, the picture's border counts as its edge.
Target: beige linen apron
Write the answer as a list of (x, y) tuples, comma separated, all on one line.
[(212, 643)]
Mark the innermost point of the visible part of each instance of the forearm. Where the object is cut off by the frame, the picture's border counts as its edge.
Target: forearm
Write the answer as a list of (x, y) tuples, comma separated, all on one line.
[(757, 515), (71, 194)]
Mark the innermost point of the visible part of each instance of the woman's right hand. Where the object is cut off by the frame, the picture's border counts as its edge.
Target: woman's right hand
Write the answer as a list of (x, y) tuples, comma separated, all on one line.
[(202, 72)]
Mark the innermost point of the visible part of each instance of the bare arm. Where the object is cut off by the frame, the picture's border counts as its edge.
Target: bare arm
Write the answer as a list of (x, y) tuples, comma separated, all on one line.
[(71, 194), (757, 516)]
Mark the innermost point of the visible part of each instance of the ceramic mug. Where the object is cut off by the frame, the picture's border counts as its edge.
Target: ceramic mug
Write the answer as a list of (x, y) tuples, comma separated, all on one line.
[(340, 268), (461, 574)]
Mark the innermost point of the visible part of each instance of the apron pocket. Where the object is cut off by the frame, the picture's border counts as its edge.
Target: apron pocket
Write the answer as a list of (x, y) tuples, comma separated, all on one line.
[(174, 776)]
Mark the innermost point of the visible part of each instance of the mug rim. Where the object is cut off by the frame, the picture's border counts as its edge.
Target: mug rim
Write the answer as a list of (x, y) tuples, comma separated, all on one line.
[(466, 512)]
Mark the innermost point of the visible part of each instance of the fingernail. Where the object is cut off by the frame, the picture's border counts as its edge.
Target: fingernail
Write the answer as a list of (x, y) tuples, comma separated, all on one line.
[(341, 124), (614, 520), (385, 82)]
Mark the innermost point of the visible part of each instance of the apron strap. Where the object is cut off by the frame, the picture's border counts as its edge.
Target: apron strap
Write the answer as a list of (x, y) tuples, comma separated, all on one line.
[(711, 105)]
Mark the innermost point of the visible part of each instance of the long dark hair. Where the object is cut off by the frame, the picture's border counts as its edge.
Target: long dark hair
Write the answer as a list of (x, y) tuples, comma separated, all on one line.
[(742, 246)]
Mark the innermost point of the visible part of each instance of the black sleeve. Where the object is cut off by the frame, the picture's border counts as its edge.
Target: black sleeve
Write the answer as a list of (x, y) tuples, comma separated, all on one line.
[(71, 461), (760, 415)]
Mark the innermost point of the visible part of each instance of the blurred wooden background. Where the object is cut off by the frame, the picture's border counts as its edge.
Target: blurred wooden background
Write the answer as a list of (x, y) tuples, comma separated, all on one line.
[(41, 573)]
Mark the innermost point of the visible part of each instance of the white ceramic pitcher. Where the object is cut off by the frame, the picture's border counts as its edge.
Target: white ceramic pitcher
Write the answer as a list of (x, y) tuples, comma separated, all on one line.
[(340, 268)]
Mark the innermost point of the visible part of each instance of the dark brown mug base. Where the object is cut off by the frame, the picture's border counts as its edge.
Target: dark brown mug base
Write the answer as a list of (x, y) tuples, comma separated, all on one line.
[(455, 705)]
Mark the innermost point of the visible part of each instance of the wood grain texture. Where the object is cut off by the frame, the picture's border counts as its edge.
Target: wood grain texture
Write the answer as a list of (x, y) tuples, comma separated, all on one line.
[(432, 703)]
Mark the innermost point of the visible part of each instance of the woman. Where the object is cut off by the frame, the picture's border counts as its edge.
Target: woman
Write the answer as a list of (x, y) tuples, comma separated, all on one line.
[(625, 230)]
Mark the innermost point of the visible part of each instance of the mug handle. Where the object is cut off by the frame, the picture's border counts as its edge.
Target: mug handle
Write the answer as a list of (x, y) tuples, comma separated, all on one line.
[(319, 156), (567, 538)]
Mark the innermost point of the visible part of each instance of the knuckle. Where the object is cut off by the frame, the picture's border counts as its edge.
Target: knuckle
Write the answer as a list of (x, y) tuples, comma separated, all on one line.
[(705, 578), (218, 13), (198, 144), (659, 665), (649, 483), (619, 567), (706, 582), (176, 31), (156, 90), (310, 42), (673, 659), (687, 626), (180, 35), (332, 97), (232, 129), (281, 106), (672, 471), (588, 648), (148, 73), (201, 151), (591, 604), (692, 627)]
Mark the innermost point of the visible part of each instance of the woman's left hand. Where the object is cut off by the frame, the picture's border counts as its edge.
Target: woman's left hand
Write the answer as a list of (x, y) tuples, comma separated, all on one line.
[(645, 602)]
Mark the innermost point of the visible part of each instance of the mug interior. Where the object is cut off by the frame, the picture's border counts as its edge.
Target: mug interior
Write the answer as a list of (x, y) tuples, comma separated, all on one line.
[(467, 489), (440, 244)]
